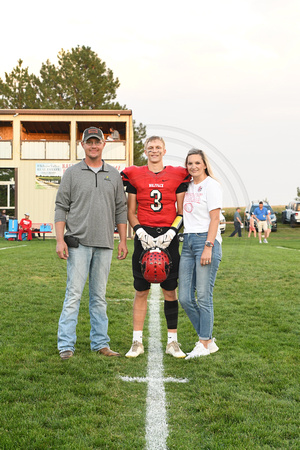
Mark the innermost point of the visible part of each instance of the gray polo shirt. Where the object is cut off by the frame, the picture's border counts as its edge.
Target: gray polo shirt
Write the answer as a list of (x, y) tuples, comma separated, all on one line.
[(236, 216), (91, 204)]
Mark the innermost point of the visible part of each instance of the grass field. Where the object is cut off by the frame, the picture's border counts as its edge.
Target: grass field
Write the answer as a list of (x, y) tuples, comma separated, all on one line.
[(246, 396)]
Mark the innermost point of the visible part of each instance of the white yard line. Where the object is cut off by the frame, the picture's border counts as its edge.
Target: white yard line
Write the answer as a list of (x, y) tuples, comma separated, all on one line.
[(147, 379), (124, 300), (9, 248), (156, 415), (288, 248)]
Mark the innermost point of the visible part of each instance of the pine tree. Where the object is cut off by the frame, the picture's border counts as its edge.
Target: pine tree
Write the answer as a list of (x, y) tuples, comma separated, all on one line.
[(81, 80), (19, 90)]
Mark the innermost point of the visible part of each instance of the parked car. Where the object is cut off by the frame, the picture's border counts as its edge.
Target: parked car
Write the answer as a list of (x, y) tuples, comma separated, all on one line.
[(291, 214), (222, 226), (250, 209)]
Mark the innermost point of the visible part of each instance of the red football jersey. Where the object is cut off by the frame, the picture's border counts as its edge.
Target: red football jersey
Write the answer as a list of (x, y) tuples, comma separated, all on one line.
[(156, 193)]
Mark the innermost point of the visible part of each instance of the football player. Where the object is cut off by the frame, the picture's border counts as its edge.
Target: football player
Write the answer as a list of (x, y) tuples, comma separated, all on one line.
[(154, 191)]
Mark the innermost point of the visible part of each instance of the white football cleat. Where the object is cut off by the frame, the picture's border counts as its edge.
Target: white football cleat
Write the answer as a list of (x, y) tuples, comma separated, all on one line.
[(136, 349), (174, 349)]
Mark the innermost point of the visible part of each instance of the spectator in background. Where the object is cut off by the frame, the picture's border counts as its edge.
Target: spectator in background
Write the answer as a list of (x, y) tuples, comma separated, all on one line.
[(252, 226), (269, 225), (237, 220), (114, 134), (3, 219), (260, 214), (25, 227)]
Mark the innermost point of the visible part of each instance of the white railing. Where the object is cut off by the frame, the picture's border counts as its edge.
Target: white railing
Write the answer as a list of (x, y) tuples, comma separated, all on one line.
[(45, 150), (5, 149)]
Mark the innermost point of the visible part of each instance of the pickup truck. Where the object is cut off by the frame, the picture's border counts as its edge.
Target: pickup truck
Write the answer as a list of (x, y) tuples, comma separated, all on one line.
[(291, 214)]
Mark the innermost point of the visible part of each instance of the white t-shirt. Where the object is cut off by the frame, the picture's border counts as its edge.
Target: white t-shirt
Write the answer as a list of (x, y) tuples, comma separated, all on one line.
[(199, 200)]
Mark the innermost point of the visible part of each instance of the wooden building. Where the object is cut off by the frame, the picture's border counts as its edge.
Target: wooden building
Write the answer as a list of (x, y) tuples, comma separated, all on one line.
[(37, 146)]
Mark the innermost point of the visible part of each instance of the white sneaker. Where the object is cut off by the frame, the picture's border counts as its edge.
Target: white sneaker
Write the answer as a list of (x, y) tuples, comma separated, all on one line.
[(136, 349), (265, 241), (199, 350), (174, 349), (260, 242), (212, 346)]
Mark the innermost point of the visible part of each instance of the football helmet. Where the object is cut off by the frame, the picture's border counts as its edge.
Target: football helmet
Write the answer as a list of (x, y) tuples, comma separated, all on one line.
[(155, 265)]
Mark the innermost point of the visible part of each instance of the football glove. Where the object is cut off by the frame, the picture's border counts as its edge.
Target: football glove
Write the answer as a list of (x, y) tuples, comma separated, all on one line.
[(146, 240), (165, 240)]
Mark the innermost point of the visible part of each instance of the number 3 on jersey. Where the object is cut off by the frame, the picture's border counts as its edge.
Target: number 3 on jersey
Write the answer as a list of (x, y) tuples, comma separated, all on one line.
[(156, 205)]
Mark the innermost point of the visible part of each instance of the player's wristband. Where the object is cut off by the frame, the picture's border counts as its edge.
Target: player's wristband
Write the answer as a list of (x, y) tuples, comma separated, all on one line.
[(177, 224), (137, 227)]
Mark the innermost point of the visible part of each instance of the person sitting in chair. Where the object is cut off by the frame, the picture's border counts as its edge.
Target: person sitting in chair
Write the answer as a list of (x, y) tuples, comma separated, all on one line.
[(25, 227), (114, 135)]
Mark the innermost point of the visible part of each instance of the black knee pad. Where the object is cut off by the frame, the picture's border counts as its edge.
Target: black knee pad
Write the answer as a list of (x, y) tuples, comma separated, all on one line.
[(171, 313)]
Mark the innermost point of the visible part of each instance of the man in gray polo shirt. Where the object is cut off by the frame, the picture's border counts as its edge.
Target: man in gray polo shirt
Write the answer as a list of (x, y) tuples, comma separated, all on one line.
[(89, 202)]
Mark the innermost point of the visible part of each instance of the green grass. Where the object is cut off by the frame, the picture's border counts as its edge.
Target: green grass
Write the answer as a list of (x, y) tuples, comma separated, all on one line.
[(246, 396)]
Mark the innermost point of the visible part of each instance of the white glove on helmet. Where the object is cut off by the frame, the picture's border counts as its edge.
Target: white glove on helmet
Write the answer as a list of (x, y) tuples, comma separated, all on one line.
[(165, 240), (147, 241)]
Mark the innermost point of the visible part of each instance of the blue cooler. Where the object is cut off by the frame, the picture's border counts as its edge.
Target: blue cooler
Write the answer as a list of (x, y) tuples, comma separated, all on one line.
[(13, 225), (10, 236), (45, 227)]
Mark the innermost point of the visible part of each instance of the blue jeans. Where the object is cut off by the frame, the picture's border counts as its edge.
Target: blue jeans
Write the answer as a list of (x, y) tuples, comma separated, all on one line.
[(194, 277), (237, 229), (81, 262)]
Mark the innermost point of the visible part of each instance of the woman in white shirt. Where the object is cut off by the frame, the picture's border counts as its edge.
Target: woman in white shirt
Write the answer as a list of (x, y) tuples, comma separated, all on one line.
[(201, 252)]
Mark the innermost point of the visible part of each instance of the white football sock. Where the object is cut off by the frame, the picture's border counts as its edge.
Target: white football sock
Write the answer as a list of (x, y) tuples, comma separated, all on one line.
[(138, 336), (172, 337)]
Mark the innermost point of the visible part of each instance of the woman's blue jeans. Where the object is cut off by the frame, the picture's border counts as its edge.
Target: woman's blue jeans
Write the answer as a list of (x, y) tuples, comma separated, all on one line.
[(201, 279), (84, 261)]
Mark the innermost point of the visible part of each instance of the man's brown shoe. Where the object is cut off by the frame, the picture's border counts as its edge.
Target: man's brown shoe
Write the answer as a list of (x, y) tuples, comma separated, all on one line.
[(66, 354), (106, 351)]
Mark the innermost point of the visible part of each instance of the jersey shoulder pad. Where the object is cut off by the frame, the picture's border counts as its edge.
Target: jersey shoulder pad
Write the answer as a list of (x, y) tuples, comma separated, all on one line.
[(179, 171), (129, 173)]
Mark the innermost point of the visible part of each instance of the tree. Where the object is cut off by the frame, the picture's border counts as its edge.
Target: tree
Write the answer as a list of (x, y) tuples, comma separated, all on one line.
[(20, 90), (79, 81), (298, 193), (139, 135), (7, 174)]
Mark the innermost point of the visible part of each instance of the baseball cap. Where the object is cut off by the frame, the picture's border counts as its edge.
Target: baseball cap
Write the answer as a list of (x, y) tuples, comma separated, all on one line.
[(92, 132), (26, 214)]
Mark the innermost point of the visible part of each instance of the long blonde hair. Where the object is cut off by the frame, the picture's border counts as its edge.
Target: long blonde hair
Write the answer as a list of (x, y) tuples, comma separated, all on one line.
[(196, 151)]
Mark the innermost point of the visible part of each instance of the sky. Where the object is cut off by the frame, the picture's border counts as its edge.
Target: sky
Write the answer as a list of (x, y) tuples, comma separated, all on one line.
[(218, 75)]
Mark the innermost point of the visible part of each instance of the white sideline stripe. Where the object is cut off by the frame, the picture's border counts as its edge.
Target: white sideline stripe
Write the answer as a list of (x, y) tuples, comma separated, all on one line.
[(156, 415), (147, 379), (125, 300), (287, 248), (119, 299), (9, 248)]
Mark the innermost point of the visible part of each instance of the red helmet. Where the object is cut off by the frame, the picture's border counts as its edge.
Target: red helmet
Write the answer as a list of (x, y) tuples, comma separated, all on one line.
[(155, 265)]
